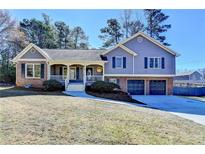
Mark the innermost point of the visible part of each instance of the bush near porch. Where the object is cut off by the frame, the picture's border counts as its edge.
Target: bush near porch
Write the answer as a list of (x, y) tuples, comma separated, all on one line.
[(52, 85), (110, 91)]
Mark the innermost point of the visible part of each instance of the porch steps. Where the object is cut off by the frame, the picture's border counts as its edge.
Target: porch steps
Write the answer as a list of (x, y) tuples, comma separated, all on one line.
[(75, 87)]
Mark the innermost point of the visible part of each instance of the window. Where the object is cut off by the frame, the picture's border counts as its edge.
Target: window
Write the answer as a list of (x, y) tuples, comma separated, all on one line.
[(118, 62), (114, 80), (33, 70), (154, 62)]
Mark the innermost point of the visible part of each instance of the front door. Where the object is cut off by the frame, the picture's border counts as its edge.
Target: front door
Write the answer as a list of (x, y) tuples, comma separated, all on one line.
[(89, 73), (64, 72), (72, 73)]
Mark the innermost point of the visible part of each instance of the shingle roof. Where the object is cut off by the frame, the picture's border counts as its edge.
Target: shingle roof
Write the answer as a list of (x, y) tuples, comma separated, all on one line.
[(68, 54)]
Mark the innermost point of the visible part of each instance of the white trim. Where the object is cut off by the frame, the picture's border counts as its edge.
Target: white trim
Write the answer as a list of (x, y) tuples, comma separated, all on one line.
[(32, 60), (122, 47), (33, 64), (77, 62), (140, 75), (133, 65), (48, 71), (25, 50), (84, 75), (145, 87)]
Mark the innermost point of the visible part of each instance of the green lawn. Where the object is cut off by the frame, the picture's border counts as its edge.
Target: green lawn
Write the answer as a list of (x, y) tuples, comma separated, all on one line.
[(32, 117)]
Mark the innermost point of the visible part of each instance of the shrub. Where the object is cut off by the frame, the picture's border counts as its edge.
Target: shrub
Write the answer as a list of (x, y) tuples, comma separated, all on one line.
[(52, 85), (104, 87)]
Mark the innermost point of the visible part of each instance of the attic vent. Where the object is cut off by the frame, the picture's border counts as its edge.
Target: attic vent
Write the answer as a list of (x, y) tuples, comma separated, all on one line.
[(33, 50), (139, 39)]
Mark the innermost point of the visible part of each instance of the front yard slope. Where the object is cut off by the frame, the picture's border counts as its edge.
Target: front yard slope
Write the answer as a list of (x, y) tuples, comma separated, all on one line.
[(36, 118)]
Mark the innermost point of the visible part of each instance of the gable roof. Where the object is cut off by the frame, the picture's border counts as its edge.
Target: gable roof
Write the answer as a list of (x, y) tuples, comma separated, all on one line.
[(68, 54), (30, 46), (122, 47), (147, 37), (63, 54)]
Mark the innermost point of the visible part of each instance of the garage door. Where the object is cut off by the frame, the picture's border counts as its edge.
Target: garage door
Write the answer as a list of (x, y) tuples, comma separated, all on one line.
[(135, 87), (157, 87)]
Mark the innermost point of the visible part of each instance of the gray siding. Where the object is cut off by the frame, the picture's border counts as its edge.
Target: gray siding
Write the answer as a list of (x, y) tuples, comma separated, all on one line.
[(32, 54), (143, 49), (119, 52)]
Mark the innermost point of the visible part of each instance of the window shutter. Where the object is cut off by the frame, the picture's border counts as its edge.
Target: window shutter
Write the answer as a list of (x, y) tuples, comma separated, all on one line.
[(163, 62), (145, 62), (124, 62), (23, 70), (113, 62), (42, 71)]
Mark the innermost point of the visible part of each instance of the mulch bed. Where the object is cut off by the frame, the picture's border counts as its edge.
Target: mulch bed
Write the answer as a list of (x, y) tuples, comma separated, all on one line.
[(120, 96)]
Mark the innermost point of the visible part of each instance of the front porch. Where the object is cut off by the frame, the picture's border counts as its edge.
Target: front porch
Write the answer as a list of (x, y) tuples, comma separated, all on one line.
[(76, 76)]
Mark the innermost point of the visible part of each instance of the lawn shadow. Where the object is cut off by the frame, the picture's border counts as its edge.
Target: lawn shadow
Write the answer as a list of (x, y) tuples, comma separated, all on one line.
[(13, 91)]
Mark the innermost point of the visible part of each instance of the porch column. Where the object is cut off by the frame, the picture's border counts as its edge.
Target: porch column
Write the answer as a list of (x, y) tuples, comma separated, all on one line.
[(68, 73), (48, 71), (103, 77), (84, 75)]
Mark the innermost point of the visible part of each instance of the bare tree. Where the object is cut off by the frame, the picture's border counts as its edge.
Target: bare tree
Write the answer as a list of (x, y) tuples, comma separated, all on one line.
[(131, 25), (6, 25), (126, 20)]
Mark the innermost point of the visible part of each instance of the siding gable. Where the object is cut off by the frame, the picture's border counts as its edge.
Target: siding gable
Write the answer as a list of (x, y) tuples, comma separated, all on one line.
[(32, 54)]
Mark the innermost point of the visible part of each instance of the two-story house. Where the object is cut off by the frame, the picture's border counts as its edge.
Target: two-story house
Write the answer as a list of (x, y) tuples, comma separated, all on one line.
[(140, 65)]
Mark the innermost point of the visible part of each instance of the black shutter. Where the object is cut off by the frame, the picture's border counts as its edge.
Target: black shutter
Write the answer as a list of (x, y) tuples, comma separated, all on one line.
[(145, 62), (163, 63), (124, 62), (23, 70), (113, 62), (77, 73), (42, 71), (61, 70)]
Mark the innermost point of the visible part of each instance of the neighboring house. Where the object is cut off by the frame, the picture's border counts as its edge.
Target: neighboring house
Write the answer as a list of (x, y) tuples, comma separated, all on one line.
[(140, 65), (191, 76)]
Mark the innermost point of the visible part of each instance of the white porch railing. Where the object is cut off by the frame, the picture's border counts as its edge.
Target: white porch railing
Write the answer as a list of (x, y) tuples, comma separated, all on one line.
[(90, 78), (58, 77)]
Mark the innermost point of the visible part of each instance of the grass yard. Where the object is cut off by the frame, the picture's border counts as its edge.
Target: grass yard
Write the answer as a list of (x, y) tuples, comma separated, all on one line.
[(33, 117)]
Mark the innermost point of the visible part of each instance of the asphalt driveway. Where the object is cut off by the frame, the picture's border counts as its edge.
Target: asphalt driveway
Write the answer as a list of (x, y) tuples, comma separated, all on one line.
[(184, 107)]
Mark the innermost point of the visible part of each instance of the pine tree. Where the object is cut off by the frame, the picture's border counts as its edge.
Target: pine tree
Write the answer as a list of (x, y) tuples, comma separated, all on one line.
[(155, 27), (111, 35), (80, 40)]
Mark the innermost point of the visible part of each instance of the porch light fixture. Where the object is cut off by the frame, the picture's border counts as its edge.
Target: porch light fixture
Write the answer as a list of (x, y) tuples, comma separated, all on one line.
[(99, 69)]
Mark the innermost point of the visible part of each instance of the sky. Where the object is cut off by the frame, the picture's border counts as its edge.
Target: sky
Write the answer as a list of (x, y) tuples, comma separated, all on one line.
[(187, 35)]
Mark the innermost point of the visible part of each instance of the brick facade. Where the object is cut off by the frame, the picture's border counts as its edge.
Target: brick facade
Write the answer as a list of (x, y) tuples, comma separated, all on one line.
[(123, 83), (22, 80)]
